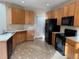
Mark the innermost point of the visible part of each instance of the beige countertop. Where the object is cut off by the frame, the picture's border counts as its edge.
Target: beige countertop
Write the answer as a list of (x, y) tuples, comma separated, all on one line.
[(9, 34), (6, 36), (76, 38)]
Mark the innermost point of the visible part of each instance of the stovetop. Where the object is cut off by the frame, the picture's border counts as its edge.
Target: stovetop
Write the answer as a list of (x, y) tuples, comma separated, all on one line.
[(61, 34)]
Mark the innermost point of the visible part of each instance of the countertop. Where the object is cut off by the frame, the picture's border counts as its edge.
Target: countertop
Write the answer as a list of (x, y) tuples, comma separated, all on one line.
[(6, 36), (76, 38), (19, 30), (9, 34)]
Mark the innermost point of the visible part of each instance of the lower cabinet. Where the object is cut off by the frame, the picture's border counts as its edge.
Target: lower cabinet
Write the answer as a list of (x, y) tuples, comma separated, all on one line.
[(22, 36), (72, 49), (9, 47), (18, 38), (53, 39), (30, 35)]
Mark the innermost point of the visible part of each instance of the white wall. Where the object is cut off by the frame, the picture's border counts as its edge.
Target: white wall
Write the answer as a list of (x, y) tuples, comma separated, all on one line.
[(39, 24), (3, 16)]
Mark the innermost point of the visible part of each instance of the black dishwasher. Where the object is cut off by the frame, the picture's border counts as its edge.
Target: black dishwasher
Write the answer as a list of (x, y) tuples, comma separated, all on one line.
[(9, 47)]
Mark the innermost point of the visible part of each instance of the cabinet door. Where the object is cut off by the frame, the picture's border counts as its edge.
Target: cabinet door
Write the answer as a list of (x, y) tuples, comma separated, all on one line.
[(71, 9), (31, 17), (27, 17), (71, 52), (60, 14), (53, 39), (30, 35), (65, 8), (49, 14), (70, 49), (18, 16), (18, 38), (56, 13), (76, 21)]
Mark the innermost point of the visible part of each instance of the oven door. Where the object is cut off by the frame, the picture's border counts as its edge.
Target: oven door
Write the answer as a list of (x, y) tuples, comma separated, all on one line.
[(60, 44)]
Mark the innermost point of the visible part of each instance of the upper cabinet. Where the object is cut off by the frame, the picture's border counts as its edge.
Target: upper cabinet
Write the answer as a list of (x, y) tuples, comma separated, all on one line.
[(29, 17), (60, 14), (21, 16), (18, 15), (71, 9), (49, 14), (65, 10), (76, 21)]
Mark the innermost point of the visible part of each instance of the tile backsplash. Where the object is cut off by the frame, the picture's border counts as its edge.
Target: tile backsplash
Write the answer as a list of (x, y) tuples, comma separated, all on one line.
[(69, 27), (13, 27)]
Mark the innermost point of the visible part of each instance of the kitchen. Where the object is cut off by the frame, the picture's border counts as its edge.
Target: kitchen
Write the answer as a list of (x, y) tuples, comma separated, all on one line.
[(20, 26)]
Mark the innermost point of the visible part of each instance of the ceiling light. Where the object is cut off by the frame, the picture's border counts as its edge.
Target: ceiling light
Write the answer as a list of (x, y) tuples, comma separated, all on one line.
[(22, 1), (47, 4)]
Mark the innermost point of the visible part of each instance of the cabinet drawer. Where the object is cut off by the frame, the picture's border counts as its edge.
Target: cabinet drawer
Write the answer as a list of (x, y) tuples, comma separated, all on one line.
[(70, 42)]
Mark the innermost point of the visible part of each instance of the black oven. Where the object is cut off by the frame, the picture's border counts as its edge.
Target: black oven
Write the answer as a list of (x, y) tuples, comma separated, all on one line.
[(61, 39), (60, 43)]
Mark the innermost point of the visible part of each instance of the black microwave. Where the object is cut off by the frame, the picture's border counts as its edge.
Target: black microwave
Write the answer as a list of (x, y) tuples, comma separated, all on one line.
[(68, 21), (70, 32)]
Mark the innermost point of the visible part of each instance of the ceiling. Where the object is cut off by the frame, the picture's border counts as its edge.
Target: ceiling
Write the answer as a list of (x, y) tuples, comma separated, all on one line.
[(37, 5)]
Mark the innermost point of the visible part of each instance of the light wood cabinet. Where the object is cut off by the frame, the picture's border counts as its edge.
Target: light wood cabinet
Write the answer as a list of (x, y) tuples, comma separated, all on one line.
[(6, 49), (29, 17), (72, 49), (76, 21), (69, 51), (18, 38), (65, 8), (30, 35), (59, 16), (56, 13), (49, 15), (18, 15), (71, 9), (53, 39)]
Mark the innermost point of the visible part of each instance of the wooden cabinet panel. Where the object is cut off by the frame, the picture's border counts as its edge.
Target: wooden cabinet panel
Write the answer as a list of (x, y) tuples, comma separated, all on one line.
[(18, 16), (72, 49), (27, 17), (71, 9), (30, 35), (3, 50), (18, 38), (65, 8), (70, 52), (31, 17), (53, 39), (60, 14), (76, 21), (50, 14), (56, 13)]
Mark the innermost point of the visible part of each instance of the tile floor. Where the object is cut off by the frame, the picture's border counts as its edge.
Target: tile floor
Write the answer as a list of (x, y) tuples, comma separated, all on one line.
[(36, 49)]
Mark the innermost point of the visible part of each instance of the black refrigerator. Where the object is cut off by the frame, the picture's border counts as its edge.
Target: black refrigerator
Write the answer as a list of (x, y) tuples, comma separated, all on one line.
[(49, 27)]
